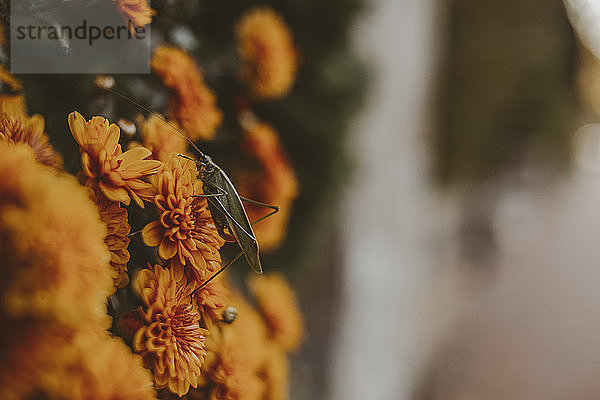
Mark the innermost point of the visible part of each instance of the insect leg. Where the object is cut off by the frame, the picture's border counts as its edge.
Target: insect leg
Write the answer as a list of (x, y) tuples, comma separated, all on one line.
[(223, 268), (223, 210), (186, 157), (258, 203), (265, 217), (209, 195), (222, 193), (134, 233)]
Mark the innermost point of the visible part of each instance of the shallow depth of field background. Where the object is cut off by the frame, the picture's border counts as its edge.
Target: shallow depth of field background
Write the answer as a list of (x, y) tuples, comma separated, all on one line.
[(465, 261)]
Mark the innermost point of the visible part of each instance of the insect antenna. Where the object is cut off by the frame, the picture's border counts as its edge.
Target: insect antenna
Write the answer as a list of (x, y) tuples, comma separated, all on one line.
[(124, 97)]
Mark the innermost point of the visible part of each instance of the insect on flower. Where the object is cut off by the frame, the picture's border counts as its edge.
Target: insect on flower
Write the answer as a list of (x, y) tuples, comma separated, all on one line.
[(224, 202)]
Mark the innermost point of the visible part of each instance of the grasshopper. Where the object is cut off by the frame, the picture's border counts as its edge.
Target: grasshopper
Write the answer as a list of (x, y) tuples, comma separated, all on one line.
[(224, 202)]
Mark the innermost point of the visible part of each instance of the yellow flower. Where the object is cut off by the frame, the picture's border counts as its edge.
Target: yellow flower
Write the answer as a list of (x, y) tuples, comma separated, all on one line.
[(30, 131), (161, 138), (277, 302), (185, 231), (274, 183), (269, 59), (136, 11), (194, 105), (117, 240), (172, 342), (55, 264), (117, 174)]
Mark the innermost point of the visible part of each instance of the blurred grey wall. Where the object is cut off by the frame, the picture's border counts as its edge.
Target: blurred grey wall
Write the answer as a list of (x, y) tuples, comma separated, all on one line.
[(387, 229)]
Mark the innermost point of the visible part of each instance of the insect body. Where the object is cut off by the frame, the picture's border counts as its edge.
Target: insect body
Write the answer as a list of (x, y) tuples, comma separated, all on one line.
[(224, 202), (227, 211)]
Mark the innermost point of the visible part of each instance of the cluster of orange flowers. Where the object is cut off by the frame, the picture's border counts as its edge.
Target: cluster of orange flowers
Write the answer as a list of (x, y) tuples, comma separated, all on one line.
[(65, 242), (74, 241), (265, 48), (54, 281)]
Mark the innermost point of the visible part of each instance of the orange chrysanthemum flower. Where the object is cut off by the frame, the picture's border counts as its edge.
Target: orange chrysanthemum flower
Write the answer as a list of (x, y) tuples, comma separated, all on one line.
[(273, 183), (100, 367), (28, 350), (117, 238), (231, 379), (275, 373), (13, 104), (235, 359), (49, 364), (185, 231), (269, 59), (213, 298), (117, 174), (171, 342), (277, 302), (162, 138), (9, 79), (136, 11), (30, 131), (51, 245), (194, 105)]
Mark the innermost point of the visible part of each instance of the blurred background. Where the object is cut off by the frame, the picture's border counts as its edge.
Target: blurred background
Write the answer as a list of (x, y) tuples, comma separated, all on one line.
[(470, 229), (443, 232)]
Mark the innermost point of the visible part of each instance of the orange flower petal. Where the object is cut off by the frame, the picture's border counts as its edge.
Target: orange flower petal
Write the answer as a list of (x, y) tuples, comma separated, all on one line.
[(112, 139), (37, 123), (115, 193), (86, 164), (167, 249), (138, 200), (139, 167), (152, 233), (77, 125)]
